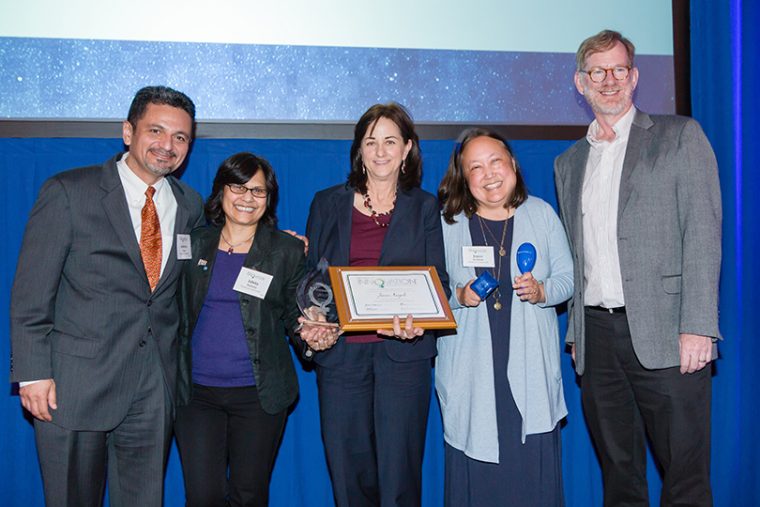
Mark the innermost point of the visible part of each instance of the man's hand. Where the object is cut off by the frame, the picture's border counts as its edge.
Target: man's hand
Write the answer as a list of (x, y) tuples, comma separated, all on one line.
[(696, 352), (572, 352), (38, 397), (302, 238)]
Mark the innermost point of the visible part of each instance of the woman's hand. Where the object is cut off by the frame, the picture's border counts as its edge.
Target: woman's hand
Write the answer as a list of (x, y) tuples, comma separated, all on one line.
[(529, 289), (408, 332), (466, 296), (318, 336)]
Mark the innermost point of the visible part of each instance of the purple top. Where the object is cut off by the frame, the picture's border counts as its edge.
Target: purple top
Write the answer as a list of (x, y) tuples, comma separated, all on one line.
[(366, 243), (220, 347)]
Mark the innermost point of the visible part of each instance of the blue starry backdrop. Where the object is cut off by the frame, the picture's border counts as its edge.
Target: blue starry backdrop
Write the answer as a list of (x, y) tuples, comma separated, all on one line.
[(48, 78)]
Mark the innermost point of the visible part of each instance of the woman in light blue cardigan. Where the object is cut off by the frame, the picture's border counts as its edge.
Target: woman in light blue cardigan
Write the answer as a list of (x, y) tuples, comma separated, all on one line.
[(498, 378)]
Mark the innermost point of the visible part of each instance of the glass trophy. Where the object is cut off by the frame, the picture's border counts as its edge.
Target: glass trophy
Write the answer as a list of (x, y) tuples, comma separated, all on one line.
[(315, 299)]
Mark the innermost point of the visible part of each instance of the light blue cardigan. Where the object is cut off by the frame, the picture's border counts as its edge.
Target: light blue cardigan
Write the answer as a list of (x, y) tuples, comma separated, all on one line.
[(464, 370)]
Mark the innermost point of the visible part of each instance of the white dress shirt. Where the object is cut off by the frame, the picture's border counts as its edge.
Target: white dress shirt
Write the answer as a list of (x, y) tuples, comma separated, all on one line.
[(166, 206), (601, 190)]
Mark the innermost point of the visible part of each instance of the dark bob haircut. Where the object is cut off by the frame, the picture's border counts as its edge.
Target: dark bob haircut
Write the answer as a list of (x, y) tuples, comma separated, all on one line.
[(162, 96), (238, 169), (453, 192), (411, 176)]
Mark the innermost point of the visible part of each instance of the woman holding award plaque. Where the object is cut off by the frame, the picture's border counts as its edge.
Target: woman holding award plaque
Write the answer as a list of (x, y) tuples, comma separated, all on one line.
[(236, 377), (374, 388), (498, 378)]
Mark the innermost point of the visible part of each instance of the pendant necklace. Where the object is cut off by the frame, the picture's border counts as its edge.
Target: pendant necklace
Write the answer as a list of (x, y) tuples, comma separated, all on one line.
[(374, 214), (231, 246), (502, 252)]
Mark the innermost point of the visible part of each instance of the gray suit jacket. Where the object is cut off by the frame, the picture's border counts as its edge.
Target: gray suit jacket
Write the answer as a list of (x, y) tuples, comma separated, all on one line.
[(669, 236), (81, 304)]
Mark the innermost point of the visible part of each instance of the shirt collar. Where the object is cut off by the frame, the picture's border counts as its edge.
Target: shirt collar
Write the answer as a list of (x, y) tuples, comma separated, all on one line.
[(134, 187), (622, 129)]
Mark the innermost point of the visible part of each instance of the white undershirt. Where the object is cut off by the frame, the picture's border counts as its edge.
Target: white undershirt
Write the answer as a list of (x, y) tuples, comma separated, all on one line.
[(601, 190)]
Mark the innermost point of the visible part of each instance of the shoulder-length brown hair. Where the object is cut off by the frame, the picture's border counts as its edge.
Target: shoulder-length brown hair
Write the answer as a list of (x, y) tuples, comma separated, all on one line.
[(453, 192), (411, 176)]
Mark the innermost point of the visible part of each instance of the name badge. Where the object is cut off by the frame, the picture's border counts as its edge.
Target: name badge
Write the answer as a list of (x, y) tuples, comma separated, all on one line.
[(478, 257), (184, 251), (252, 282)]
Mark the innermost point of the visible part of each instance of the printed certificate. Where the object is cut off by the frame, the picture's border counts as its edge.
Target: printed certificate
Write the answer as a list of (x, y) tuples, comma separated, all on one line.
[(367, 298)]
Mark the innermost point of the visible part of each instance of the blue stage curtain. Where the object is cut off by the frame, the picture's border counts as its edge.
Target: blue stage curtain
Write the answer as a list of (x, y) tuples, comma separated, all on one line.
[(725, 72)]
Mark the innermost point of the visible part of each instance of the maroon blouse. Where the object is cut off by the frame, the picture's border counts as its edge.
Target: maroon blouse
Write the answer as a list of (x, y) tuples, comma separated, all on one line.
[(366, 243)]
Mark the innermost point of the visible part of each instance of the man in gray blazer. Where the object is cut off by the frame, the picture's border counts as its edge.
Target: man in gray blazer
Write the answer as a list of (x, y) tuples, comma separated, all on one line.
[(640, 200), (93, 311)]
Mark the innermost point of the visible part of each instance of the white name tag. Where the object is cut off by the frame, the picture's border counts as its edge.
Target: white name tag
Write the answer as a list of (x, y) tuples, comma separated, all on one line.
[(184, 251), (478, 257), (252, 282)]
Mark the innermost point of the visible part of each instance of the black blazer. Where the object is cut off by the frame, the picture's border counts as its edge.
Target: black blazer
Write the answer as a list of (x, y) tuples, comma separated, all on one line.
[(266, 322), (414, 238)]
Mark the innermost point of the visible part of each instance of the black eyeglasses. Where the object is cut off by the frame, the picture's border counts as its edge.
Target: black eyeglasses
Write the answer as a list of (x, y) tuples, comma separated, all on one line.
[(242, 189), (599, 74)]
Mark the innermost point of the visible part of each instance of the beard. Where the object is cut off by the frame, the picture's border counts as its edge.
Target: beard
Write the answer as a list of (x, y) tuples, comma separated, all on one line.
[(163, 169), (606, 107)]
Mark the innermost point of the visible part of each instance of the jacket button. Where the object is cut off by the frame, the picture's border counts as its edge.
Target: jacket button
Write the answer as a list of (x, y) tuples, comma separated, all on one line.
[(150, 302), (142, 343)]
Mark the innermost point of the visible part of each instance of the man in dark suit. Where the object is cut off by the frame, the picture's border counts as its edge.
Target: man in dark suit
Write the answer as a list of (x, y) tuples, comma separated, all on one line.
[(94, 315), (640, 200)]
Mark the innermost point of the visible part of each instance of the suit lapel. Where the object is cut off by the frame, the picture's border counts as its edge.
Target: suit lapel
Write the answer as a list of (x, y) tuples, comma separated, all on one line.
[(180, 225), (345, 210), (117, 211), (638, 138), (260, 250), (399, 226), (203, 266), (577, 164)]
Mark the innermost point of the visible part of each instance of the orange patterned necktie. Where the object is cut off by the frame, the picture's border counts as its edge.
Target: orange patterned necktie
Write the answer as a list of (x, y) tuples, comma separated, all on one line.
[(150, 239)]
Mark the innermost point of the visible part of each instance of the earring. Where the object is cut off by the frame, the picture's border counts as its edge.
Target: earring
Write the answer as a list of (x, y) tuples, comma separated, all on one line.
[(403, 166), (364, 168)]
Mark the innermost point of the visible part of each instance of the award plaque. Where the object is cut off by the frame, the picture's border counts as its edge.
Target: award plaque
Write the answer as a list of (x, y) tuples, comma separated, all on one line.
[(315, 297), (367, 298)]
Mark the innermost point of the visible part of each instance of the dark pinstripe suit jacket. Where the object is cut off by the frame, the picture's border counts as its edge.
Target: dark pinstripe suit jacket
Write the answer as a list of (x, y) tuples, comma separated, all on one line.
[(81, 304)]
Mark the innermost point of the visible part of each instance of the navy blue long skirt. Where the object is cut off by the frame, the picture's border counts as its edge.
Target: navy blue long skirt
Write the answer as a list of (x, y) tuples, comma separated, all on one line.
[(528, 474)]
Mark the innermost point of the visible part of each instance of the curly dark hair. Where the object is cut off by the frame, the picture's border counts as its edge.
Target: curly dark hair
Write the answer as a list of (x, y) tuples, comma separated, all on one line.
[(238, 169), (411, 176), (453, 192)]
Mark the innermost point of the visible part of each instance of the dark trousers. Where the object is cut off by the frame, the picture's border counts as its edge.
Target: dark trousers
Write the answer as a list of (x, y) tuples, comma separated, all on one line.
[(624, 402), (374, 416), (74, 463), (221, 427)]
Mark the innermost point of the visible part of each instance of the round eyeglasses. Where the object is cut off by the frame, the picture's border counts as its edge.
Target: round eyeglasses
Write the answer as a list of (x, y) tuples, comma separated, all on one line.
[(599, 74), (242, 189)]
